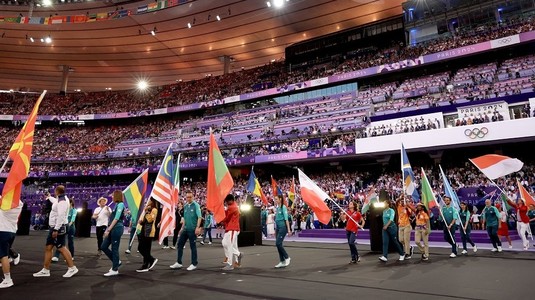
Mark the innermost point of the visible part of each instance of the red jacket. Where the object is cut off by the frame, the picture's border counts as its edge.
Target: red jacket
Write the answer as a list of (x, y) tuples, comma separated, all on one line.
[(352, 226), (232, 218), (522, 212)]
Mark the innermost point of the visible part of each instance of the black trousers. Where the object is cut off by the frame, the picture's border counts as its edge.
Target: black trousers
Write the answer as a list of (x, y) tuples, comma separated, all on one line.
[(144, 248), (100, 235)]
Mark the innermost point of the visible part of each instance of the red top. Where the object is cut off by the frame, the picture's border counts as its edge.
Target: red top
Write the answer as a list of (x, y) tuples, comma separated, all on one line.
[(232, 218), (522, 212), (351, 225)]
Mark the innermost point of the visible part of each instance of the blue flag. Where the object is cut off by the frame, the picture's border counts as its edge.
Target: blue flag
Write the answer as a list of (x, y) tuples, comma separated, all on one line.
[(409, 185), (449, 192)]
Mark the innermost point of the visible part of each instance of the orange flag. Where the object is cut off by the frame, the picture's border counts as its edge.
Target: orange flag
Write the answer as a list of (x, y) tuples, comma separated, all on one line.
[(219, 181), (528, 199), (21, 154)]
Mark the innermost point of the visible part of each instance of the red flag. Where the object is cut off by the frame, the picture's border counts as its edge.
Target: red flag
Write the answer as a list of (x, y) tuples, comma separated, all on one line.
[(219, 181), (21, 154), (528, 199), (314, 197)]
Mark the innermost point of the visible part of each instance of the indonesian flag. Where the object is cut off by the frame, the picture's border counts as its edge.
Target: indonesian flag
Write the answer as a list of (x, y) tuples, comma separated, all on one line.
[(528, 199), (495, 166), (314, 197)]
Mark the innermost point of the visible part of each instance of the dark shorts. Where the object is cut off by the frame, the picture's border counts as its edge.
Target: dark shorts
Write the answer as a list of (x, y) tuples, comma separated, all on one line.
[(6, 239), (58, 242)]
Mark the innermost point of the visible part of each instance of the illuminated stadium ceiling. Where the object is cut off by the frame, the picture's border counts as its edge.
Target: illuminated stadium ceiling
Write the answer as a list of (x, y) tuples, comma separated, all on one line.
[(114, 53)]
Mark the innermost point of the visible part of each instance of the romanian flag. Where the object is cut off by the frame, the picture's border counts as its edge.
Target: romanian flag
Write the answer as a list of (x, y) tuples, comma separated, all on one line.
[(314, 197), (528, 199), (135, 193), (253, 187), (219, 181), (428, 197), (21, 154)]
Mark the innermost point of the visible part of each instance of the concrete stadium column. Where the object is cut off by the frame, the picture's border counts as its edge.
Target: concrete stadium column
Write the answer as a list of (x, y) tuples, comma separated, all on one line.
[(226, 64), (64, 80)]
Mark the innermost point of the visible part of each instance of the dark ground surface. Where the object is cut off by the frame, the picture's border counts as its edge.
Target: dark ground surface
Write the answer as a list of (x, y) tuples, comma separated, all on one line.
[(317, 271)]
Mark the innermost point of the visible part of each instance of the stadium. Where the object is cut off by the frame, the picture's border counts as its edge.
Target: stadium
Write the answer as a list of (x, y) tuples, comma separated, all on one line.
[(347, 92)]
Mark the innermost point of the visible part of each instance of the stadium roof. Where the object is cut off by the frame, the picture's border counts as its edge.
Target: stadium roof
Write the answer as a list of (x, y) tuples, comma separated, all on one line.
[(114, 53)]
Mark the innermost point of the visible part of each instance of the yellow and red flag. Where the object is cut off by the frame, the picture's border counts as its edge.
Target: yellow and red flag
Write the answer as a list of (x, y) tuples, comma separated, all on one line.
[(21, 154)]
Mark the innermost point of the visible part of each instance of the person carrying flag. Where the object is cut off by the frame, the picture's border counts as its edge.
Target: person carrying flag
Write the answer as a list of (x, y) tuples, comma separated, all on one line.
[(354, 222), (450, 217), (8, 229), (522, 223), (422, 230), (232, 230), (404, 211), (147, 222)]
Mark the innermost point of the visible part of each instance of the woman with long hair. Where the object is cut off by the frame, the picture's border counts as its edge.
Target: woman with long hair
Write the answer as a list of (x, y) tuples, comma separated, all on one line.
[(148, 230), (283, 228), (112, 235), (354, 222), (422, 230), (466, 228)]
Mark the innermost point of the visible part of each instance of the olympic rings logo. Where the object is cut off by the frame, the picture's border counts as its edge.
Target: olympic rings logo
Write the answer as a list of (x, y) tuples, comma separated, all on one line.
[(476, 133), (504, 41)]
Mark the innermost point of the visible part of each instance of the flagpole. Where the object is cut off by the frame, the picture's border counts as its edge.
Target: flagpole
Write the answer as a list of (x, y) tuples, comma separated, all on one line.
[(443, 181), (5, 163), (403, 175), (343, 210), (444, 219)]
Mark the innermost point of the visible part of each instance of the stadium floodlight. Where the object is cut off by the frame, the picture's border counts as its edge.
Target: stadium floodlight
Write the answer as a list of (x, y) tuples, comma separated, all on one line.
[(48, 40), (142, 85), (278, 3), (268, 4), (218, 18), (47, 2)]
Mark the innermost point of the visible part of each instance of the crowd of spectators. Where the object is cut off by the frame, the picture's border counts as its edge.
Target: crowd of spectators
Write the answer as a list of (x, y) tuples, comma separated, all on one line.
[(210, 90)]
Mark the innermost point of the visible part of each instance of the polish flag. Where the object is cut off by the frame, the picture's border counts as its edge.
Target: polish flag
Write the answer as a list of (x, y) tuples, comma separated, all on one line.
[(314, 197), (528, 199), (494, 166)]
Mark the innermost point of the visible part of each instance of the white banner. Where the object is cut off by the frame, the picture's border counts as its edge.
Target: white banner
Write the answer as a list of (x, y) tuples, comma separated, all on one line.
[(489, 109), (448, 137), (505, 41), (319, 81)]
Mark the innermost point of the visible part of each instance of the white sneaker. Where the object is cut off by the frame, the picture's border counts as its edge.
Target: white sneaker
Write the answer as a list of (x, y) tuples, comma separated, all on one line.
[(280, 265), (16, 261), (71, 272), (494, 250), (287, 261), (127, 251), (191, 267), (55, 259), (209, 243), (165, 247), (111, 273), (382, 258), (173, 247), (453, 255), (401, 258), (510, 246), (175, 266), (43, 273), (525, 248), (202, 243), (475, 249), (6, 283), (464, 252), (500, 249)]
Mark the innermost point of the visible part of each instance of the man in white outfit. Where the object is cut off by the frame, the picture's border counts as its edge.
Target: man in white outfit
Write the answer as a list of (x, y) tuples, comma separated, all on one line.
[(8, 229), (56, 236)]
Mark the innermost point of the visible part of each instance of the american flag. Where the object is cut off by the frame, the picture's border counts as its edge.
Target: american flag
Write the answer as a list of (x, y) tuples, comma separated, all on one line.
[(163, 192)]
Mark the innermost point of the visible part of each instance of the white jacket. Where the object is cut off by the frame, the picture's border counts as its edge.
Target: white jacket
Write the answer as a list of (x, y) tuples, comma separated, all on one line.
[(10, 218), (59, 213)]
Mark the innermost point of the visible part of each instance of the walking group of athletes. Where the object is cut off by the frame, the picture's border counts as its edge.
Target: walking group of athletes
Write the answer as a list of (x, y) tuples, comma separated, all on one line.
[(110, 228)]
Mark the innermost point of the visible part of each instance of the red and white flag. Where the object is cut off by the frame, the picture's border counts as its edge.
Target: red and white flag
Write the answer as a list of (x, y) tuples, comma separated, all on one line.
[(528, 199), (314, 197), (495, 166)]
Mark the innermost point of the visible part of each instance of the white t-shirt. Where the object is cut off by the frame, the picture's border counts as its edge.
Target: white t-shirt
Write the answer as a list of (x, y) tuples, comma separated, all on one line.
[(103, 215)]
